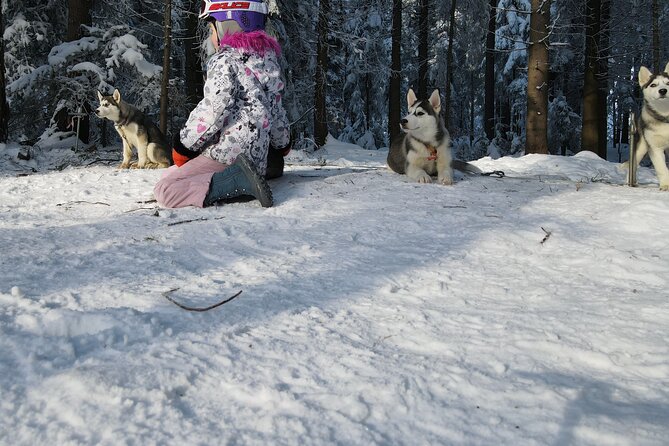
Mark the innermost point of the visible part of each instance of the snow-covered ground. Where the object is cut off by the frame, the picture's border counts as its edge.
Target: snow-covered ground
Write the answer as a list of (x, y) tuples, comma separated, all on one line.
[(527, 310)]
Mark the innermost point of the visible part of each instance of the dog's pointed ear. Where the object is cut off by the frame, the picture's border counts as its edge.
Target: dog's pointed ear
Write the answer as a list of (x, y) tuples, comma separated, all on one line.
[(435, 101), (666, 68), (117, 95), (99, 96), (411, 98), (644, 76)]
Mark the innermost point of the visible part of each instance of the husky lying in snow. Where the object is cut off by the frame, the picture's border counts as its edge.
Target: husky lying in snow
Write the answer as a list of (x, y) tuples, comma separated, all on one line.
[(424, 148), (136, 130), (652, 125)]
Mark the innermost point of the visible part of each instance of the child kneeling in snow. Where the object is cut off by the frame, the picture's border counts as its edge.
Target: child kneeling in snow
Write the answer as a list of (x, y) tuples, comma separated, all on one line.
[(223, 148)]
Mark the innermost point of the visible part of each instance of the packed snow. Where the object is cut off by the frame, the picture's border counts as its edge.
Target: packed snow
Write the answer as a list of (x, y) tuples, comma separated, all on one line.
[(526, 310)]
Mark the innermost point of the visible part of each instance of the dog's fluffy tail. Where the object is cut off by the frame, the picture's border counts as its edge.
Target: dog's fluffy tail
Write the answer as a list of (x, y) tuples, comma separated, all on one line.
[(465, 167)]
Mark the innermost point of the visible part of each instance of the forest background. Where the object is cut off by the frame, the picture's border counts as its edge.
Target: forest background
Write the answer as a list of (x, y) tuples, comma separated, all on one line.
[(516, 76)]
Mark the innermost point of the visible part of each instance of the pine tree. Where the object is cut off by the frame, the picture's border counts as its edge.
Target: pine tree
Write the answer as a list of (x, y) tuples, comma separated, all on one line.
[(537, 78), (79, 13), (320, 78), (4, 106), (165, 81), (511, 41), (394, 96), (423, 45), (449, 65), (655, 11), (590, 136), (489, 95)]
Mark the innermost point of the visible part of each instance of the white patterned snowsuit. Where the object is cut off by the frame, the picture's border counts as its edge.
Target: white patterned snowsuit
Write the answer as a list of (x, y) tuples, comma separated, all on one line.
[(241, 111)]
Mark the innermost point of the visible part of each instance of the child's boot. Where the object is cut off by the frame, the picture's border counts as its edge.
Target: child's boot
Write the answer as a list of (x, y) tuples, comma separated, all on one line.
[(239, 179)]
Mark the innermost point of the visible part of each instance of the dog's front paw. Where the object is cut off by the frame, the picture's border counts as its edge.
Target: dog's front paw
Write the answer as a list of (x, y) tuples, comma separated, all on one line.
[(124, 165), (423, 177), (664, 187), (446, 181), (152, 165)]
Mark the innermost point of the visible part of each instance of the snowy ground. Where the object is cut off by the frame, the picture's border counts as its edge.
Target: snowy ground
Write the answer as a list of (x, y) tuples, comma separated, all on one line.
[(518, 311)]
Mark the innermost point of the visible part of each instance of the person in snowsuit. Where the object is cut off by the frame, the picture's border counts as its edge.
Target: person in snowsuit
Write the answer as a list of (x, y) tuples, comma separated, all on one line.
[(222, 150)]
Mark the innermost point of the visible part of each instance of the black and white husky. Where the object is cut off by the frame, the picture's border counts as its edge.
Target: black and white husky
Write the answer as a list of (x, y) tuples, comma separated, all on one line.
[(424, 149), (652, 126), (136, 130)]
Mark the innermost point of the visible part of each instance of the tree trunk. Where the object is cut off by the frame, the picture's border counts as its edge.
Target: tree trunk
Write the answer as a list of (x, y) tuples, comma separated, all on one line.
[(615, 112), (4, 106), (625, 127), (603, 77), (591, 103), (472, 100), (394, 94), (489, 96), (505, 118), (164, 84), (368, 101), (537, 79), (449, 66), (320, 91), (655, 10), (78, 13), (423, 33), (193, 73)]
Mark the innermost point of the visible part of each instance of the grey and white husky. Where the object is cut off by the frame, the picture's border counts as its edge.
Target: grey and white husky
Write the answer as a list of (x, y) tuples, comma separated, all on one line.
[(652, 125), (424, 148), (136, 130)]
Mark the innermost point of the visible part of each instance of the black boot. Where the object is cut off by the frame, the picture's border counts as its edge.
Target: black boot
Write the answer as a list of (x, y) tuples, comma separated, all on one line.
[(237, 180), (274, 164)]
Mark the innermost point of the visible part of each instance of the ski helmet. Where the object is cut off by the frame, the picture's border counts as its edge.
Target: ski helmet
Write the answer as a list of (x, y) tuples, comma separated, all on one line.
[(249, 14)]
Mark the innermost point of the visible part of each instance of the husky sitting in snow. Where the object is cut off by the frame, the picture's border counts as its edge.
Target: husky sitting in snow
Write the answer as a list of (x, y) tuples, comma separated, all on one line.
[(136, 130), (652, 125), (424, 148)]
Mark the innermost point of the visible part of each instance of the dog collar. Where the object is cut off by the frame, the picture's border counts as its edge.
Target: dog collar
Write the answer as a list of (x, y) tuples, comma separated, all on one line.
[(433, 152)]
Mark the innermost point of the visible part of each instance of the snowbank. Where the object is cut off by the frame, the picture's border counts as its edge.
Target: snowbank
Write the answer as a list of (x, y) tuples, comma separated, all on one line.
[(526, 310)]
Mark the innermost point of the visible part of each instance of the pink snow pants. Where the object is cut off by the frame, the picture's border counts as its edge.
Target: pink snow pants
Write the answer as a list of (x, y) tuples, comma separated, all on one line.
[(187, 185)]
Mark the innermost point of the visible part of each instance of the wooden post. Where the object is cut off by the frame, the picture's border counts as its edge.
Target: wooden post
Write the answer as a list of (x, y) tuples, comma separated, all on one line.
[(78, 115), (165, 82), (632, 164)]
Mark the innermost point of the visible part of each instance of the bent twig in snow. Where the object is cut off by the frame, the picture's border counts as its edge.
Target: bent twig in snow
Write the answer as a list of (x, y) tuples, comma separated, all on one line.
[(548, 234), (82, 202), (166, 295), (192, 220)]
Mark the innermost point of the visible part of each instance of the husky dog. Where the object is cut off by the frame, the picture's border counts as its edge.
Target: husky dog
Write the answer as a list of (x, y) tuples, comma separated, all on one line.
[(136, 130), (424, 148), (652, 125)]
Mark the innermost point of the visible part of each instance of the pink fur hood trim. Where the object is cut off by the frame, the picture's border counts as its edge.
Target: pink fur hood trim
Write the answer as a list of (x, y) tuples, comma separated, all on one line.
[(255, 42)]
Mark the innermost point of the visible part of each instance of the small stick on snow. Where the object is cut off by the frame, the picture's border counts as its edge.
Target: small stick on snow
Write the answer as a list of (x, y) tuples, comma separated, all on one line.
[(83, 202), (548, 234), (102, 160), (139, 209), (190, 221), (166, 295)]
